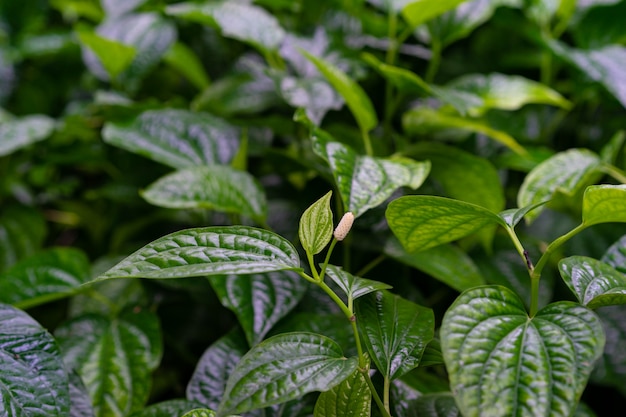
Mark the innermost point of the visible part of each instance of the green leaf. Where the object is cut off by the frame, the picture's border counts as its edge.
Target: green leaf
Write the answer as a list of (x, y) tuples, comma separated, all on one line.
[(615, 255), (501, 362), (611, 369), (601, 26), (566, 172), (420, 11), (114, 56), (217, 363), (120, 7), (20, 132), (185, 61), (594, 283), (22, 232), (434, 405), (168, 408), (423, 120), (354, 287), (200, 412), (422, 222), (316, 225), (351, 398), (259, 300), (395, 331), (315, 95), (283, 368), (445, 263), (357, 100), (604, 204), (46, 276), (365, 182), (114, 357), (80, 402), (244, 22), (215, 187), (33, 380), (177, 138), (513, 216), (209, 251)]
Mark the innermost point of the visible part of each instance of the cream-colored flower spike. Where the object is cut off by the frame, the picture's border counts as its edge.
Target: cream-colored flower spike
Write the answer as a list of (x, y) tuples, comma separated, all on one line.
[(344, 226)]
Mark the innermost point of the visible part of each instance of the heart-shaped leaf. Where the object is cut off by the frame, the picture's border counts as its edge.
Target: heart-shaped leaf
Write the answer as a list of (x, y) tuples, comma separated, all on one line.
[(604, 204), (20, 132), (33, 380), (354, 287), (209, 251), (283, 368), (420, 11), (177, 138), (365, 182), (168, 408), (395, 331), (594, 283), (114, 358), (351, 398), (503, 363), (316, 225), (421, 222), (259, 300), (565, 172), (216, 187)]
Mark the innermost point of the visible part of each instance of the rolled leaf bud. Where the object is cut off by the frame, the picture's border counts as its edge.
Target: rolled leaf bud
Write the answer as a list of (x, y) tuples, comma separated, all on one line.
[(344, 226)]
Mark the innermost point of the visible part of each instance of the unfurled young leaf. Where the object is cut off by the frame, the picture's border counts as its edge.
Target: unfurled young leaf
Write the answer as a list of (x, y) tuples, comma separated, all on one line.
[(421, 11), (316, 225), (594, 283)]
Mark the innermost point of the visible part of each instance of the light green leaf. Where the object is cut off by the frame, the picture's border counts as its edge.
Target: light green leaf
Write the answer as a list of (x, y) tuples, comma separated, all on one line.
[(446, 263), (422, 222), (185, 61), (209, 251), (611, 150), (114, 357), (237, 20), (351, 398), (566, 172), (425, 120), (503, 363), (604, 204), (20, 132), (316, 225), (395, 331), (420, 11), (357, 100), (365, 182), (22, 232), (177, 138), (259, 300), (200, 412), (114, 56), (594, 283), (46, 276), (434, 405), (513, 216), (354, 287), (215, 187), (283, 368), (168, 408), (33, 380)]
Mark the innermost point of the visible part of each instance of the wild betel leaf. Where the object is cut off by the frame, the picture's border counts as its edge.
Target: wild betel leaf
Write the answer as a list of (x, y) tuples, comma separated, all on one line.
[(168, 408), (604, 204), (418, 12), (594, 283), (351, 398), (502, 362), (316, 225), (20, 132), (354, 287)]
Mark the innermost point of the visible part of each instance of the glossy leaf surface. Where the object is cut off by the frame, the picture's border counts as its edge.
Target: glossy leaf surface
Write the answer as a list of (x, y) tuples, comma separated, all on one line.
[(615, 255), (216, 187), (200, 412), (513, 216), (594, 283), (168, 408), (354, 287), (177, 138), (395, 331), (80, 402), (209, 251), (434, 405), (20, 132), (421, 11), (282, 368), (351, 398), (503, 363), (316, 225), (565, 172), (259, 300), (611, 369), (114, 358), (604, 204), (33, 380), (423, 222)]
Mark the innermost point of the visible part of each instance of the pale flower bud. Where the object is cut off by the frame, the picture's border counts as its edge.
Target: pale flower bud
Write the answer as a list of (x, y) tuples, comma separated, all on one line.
[(344, 226)]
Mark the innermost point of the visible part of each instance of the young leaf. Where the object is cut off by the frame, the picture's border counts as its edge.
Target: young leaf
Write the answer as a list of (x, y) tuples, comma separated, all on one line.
[(594, 283), (44, 277), (184, 60), (200, 412), (365, 182), (565, 172), (420, 11), (395, 331), (604, 204), (177, 138), (114, 56), (114, 358), (316, 225), (33, 379), (209, 251), (500, 361), (513, 216), (259, 300), (169, 408), (20, 132), (354, 287), (283, 368), (357, 100), (216, 187), (351, 398), (422, 222)]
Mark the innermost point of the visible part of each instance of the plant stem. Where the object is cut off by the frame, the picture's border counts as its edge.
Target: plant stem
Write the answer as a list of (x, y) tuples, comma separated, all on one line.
[(327, 259), (367, 143), (386, 386), (390, 58), (376, 397), (614, 172), (517, 244), (435, 60)]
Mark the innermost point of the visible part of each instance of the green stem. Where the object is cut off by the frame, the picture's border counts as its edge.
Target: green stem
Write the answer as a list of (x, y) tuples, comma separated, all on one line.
[(614, 172), (435, 60), (546, 61), (386, 386), (390, 58), (375, 395), (327, 259), (367, 142), (344, 308), (309, 257), (517, 244)]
